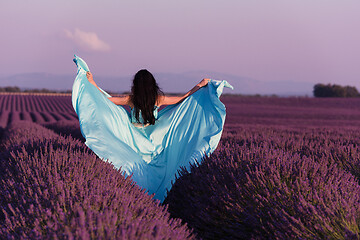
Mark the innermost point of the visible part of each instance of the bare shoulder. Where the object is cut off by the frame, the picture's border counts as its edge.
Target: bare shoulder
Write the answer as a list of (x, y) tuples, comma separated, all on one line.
[(160, 100)]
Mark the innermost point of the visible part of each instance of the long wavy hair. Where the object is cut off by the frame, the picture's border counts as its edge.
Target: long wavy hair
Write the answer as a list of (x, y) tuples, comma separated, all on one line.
[(144, 93)]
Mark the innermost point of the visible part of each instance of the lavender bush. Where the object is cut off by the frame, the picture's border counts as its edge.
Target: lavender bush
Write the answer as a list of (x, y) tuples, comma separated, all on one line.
[(4, 118), (20, 132), (67, 128), (53, 187), (272, 184)]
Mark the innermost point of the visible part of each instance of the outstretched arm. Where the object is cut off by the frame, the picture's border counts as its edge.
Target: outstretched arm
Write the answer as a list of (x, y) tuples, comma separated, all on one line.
[(125, 100), (169, 100)]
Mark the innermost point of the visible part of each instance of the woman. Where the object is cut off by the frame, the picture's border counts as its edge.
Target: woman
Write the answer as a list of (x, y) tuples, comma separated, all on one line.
[(146, 97), (148, 144)]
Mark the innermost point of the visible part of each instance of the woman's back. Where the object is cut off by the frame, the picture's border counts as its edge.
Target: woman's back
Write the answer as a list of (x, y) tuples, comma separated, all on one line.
[(140, 122)]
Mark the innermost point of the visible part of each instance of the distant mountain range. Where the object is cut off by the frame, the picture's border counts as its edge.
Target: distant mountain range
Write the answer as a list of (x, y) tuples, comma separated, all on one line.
[(169, 82)]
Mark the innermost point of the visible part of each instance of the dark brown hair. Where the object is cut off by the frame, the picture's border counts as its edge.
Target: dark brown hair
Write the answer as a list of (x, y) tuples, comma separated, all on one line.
[(144, 93)]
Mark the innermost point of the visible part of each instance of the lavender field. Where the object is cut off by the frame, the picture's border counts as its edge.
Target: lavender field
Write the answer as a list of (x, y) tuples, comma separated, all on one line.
[(285, 168)]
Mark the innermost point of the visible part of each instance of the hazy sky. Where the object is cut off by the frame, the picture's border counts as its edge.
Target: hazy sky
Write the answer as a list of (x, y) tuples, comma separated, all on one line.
[(297, 40)]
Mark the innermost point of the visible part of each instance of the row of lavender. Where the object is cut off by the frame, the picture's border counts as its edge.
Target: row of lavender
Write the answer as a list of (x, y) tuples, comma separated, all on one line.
[(273, 183), (54, 187)]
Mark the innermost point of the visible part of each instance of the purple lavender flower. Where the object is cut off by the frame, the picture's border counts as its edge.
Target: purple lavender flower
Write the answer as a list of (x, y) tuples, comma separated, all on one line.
[(54, 187)]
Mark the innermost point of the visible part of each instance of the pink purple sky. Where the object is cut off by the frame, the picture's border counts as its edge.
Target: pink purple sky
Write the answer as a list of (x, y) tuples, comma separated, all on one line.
[(278, 40)]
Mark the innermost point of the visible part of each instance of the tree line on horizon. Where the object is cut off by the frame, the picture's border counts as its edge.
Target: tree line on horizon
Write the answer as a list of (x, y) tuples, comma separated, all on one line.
[(334, 90)]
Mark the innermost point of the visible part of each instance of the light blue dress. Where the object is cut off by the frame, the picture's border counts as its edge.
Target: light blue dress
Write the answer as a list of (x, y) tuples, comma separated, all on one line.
[(183, 133)]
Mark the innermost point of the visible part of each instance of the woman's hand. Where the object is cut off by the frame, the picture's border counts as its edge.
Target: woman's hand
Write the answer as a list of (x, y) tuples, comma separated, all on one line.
[(91, 80), (89, 76), (203, 82)]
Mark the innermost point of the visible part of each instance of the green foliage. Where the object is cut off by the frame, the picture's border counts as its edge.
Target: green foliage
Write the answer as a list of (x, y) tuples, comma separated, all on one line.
[(10, 89), (322, 90)]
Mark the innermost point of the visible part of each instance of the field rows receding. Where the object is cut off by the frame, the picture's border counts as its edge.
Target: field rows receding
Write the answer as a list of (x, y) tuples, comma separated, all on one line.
[(292, 112), (35, 108), (270, 111), (285, 168)]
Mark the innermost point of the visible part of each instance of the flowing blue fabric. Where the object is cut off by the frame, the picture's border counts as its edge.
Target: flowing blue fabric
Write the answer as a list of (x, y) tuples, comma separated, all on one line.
[(183, 133)]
